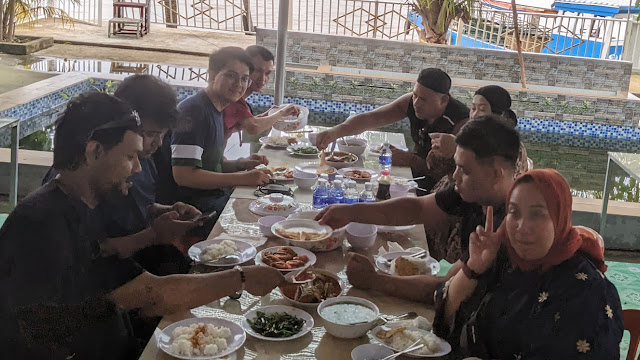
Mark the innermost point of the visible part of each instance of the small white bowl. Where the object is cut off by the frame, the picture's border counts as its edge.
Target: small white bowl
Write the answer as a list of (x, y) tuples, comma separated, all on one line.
[(312, 138), (266, 222), (361, 236), (350, 331), (291, 123), (354, 146), (370, 352), (304, 180), (399, 191)]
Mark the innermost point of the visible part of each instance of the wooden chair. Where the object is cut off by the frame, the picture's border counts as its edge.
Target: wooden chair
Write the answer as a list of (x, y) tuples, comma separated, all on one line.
[(632, 323), (119, 11)]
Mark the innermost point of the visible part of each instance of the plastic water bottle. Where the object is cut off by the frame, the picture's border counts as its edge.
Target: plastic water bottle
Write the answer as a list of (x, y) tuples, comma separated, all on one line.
[(384, 186), (385, 157), (320, 195), (336, 194), (367, 195), (351, 194)]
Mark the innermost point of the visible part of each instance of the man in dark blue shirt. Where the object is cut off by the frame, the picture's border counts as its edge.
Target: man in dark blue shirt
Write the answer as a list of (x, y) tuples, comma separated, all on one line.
[(132, 215), (204, 176), (67, 289)]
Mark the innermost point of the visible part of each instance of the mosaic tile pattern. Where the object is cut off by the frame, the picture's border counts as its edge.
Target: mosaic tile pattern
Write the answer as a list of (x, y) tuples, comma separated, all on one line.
[(591, 135), (42, 112)]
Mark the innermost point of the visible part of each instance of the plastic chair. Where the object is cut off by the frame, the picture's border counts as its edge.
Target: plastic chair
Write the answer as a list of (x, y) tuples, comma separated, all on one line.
[(632, 323), (590, 231)]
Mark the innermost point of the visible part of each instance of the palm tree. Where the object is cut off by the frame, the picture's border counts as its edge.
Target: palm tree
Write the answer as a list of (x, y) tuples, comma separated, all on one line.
[(14, 12), (437, 16)]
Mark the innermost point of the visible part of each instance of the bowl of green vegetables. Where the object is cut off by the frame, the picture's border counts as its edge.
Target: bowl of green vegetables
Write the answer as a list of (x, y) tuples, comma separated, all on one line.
[(277, 323)]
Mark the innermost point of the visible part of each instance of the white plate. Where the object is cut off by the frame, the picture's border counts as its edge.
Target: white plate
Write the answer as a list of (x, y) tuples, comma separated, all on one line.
[(291, 147), (391, 228), (445, 347), (300, 251), (279, 175), (246, 252), (312, 168), (305, 225), (265, 141), (256, 209), (234, 341), (308, 321), (386, 267), (371, 172)]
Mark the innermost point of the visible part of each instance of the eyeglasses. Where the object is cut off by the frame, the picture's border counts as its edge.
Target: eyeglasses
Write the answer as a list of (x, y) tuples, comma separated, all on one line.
[(234, 77), (132, 120)]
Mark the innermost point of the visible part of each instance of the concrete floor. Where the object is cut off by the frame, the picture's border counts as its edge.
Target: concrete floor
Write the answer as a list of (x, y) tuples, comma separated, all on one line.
[(160, 38), (13, 78)]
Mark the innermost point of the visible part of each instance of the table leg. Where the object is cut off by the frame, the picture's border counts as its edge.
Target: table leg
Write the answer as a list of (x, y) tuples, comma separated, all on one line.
[(13, 177), (605, 197)]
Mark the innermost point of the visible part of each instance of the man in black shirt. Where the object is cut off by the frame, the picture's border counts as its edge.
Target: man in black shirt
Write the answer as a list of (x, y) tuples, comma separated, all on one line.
[(485, 158), (430, 109), (66, 288)]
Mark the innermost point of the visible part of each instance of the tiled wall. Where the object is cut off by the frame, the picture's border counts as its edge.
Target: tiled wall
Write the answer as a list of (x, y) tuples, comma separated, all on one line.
[(459, 62), (539, 104), (41, 112)]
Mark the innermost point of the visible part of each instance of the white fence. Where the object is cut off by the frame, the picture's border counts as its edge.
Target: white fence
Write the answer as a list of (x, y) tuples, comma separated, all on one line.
[(582, 36)]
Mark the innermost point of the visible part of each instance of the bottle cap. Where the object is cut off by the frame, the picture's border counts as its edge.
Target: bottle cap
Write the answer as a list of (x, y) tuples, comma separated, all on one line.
[(322, 181), (337, 182)]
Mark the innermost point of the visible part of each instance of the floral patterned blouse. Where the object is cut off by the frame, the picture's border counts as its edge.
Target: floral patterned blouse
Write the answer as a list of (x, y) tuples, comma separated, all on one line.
[(571, 311)]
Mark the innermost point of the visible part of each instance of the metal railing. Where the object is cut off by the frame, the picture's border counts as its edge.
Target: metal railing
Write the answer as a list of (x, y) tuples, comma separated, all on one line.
[(582, 36), (366, 18), (83, 11)]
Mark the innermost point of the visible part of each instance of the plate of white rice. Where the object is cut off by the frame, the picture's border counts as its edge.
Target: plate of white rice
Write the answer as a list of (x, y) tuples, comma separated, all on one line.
[(433, 345), (212, 252), (201, 338)]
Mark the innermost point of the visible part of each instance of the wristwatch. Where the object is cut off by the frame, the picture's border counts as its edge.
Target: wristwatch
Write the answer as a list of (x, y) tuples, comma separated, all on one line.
[(243, 278)]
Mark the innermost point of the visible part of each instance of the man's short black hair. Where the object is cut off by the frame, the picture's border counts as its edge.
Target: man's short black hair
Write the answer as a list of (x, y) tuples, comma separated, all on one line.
[(263, 52), (219, 59), (80, 122), (152, 98), (489, 137)]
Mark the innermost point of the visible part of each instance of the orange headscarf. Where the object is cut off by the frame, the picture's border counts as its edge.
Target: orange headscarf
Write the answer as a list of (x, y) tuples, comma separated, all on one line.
[(568, 240)]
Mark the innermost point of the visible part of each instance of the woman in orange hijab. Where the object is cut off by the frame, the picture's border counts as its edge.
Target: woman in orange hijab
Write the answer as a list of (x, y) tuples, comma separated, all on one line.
[(536, 288)]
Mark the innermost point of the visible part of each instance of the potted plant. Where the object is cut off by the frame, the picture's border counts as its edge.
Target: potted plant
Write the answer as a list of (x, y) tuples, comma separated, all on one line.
[(14, 12), (437, 15)]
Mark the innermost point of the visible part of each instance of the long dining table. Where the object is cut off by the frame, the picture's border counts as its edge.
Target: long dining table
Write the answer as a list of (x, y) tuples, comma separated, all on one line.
[(237, 222)]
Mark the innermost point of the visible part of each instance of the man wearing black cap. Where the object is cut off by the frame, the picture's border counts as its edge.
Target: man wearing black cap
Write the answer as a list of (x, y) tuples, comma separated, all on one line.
[(430, 109)]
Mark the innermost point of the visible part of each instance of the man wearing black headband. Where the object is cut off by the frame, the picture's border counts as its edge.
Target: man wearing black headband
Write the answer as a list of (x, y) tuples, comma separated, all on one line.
[(66, 288), (429, 108)]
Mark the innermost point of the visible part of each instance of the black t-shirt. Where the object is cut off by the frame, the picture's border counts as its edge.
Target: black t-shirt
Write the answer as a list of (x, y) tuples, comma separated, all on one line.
[(454, 113), (50, 256), (471, 213)]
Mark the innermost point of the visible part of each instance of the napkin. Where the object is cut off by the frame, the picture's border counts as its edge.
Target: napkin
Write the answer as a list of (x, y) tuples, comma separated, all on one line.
[(419, 322), (394, 247)]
